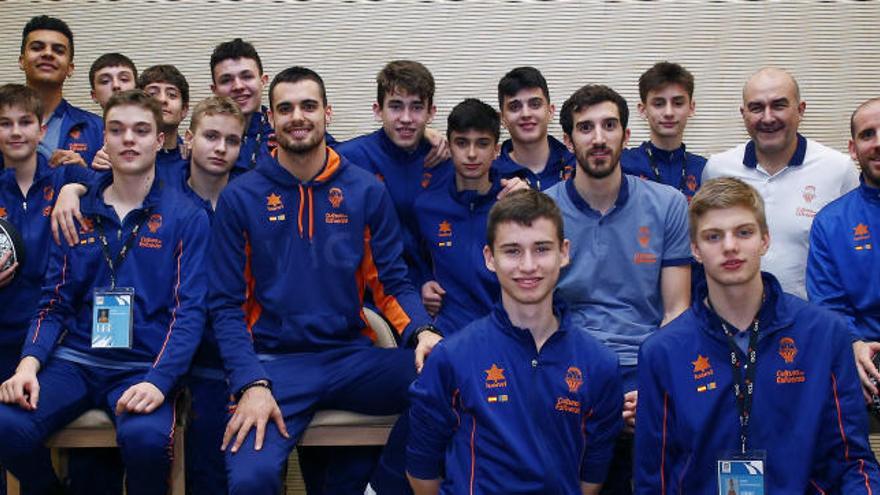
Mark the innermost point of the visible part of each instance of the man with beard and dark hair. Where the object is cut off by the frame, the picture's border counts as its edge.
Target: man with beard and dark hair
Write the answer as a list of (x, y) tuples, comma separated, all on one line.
[(630, 254), (843, 253), (297, 243)]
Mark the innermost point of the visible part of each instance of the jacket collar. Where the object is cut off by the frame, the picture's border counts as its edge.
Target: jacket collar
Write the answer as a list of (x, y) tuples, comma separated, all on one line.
[(468, 198), (93, 202), (871, 194), (523, 335), (662, 155), (268, 166), (774, 315), (399, 154)]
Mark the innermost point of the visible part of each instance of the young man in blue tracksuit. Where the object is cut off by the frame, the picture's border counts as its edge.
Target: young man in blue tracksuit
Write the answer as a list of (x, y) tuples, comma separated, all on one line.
[(237, 73), (452, 220), (109, 74), (751, 387), (667, 94), (168, 86), (844, 252), (28, 188), (214, 139), (530, 153), (400, 153), (129, 302), (297, 243), (72, 135), (521, 400)]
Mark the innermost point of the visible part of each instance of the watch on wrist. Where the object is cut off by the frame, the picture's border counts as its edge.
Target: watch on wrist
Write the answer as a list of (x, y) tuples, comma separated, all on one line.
[(259, 383), (414, 340)]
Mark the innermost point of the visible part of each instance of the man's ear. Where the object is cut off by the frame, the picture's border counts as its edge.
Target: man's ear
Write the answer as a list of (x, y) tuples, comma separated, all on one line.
[(489, 258)]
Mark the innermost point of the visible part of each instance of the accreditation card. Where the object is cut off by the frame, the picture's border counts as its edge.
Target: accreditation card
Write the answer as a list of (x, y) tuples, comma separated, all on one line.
[(113, 318), (742, 474)]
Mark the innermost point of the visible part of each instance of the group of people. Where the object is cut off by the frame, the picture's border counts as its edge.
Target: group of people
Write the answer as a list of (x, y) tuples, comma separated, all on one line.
[(574, 316)]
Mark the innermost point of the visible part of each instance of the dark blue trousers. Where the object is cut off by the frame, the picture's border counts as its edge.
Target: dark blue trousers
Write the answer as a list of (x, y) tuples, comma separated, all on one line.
[(205, 462), (367, 380), (67, 390)]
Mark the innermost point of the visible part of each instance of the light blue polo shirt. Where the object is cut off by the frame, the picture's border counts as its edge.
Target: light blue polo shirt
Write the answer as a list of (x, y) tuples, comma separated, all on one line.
[(612, 284)]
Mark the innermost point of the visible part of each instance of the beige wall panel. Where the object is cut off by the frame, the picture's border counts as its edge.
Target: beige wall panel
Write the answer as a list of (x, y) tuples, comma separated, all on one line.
[(469, 45)]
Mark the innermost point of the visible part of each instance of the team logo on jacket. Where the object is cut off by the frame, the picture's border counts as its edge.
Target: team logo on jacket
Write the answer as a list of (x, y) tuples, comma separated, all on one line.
[(495, 377), (574, 379), (426, 180), (78, 147), (691, 183), (703, 370), (48, 193), (787, 349), (273, 202), (154, 223), (444, 231), (75, 133), (86, 229), (335, 196), (861, 236), (3, 213)]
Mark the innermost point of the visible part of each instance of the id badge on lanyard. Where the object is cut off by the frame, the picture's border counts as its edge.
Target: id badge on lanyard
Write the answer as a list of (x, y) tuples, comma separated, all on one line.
[(113, 318), (113, 307), (742, 474)]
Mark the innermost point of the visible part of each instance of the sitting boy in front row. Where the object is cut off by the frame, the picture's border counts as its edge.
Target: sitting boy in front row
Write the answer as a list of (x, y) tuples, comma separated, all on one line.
[(120, 315), (520, 401)]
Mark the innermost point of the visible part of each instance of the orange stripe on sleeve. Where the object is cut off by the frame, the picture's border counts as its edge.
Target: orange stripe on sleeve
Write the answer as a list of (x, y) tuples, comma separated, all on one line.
[(389, 305), (176, 306), (251, 307), (52, 301), (843, 435)]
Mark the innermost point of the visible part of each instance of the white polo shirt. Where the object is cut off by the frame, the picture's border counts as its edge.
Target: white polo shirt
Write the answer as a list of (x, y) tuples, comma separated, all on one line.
[(815, 176)]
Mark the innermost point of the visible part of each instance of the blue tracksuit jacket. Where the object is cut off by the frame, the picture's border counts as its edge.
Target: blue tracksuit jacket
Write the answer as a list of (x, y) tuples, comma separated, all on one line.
[(637, 161), (560, 165), (170, 165), (405, 176), (505, 418), (165, 268), (31, 215), (452, 227), (843, 268), (291, 261), (808, 413)]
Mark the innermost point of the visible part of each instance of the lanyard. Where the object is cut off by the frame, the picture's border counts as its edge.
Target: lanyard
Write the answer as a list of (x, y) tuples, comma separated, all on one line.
[(105, 246), (743, 386), (682, 183)]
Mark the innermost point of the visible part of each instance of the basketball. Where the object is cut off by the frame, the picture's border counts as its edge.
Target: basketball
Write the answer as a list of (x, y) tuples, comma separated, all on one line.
[(10, 241)]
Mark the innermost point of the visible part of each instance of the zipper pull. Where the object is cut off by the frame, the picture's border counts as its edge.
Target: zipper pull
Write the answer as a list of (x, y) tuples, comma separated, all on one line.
[(24, 205)]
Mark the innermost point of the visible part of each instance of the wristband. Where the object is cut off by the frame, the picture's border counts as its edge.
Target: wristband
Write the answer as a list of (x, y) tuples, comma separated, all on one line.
[(414, 340), (259, 383)]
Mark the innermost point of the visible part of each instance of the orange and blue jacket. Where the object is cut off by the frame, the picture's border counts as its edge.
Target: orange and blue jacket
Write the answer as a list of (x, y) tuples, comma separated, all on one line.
[(31, 216), (504, 417), (808, 413), (406, 177), (165, 268), (291, 261)]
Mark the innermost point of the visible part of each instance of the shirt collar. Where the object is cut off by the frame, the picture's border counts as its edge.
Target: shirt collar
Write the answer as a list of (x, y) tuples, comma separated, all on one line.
[(870, 193), (750, 158), (582, 205), (662, 155)]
